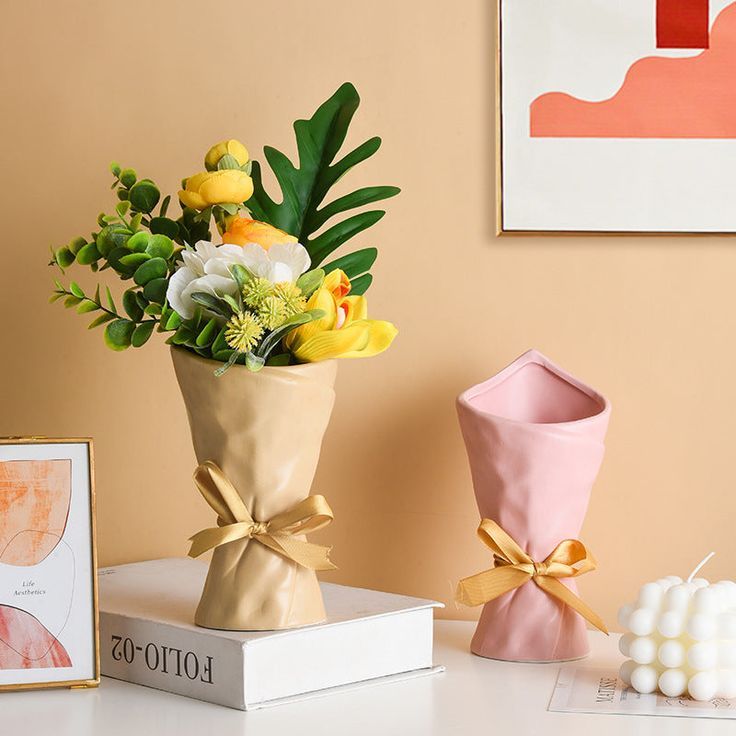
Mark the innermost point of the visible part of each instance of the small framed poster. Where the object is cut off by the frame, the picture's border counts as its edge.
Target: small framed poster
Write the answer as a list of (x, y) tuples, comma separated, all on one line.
[(48, 581), (616, 117)]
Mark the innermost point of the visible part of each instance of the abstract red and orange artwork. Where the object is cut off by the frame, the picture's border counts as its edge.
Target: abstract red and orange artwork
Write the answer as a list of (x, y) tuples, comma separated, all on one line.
[(34, 505), (618, 116)]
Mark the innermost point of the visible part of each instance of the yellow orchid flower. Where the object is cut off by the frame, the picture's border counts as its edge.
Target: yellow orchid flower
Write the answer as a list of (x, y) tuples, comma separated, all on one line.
[(216, 187), (344, 331)]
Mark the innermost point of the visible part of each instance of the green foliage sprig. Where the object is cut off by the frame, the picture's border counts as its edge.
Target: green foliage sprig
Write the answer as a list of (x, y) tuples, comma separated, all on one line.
[(304, 188)]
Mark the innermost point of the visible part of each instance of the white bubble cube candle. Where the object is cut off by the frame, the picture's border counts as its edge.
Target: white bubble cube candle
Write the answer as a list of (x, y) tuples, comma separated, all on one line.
[(681, 638)]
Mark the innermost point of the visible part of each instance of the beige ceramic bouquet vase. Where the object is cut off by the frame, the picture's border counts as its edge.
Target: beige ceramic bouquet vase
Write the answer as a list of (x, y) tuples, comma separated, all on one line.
[(265, 431)]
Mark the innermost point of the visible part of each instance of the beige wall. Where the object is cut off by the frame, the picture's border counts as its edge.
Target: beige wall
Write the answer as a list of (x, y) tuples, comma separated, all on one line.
[(648, 321)]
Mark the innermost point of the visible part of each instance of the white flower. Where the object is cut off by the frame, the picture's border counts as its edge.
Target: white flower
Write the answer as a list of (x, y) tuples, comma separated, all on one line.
[(207, 269), (281, 262)]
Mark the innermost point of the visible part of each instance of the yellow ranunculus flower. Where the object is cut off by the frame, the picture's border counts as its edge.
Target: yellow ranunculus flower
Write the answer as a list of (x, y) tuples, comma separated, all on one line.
[(344, 331), (216, 187), (223, 148), (243, 230)]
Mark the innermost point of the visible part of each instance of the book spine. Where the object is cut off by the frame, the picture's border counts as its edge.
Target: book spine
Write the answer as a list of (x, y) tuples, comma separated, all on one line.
[(197, 665)]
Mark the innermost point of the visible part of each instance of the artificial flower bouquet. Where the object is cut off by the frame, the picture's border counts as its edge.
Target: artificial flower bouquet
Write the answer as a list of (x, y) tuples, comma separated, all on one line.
[(264, 296), (268, 306)]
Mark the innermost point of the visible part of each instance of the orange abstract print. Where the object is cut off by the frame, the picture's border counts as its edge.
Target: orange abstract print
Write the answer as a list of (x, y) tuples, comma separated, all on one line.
[(34, 505), (25, 643), (692, 97)]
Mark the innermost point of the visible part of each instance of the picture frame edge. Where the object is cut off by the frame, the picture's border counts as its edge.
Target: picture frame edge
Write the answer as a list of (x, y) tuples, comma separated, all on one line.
[(86, 683)]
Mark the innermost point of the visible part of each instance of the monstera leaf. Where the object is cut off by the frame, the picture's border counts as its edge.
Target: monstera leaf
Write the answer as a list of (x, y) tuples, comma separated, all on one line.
[(304, 188)]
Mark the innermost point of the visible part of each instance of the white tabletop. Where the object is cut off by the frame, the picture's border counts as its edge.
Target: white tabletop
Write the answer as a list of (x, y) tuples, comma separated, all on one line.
[(474, 696)]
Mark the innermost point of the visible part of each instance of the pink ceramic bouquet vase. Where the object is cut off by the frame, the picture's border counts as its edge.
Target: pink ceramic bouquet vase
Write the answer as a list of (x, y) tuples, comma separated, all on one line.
[(534, 437)]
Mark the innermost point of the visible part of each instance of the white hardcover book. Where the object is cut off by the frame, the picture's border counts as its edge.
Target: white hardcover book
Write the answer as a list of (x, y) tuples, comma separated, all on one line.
[(147, 636)]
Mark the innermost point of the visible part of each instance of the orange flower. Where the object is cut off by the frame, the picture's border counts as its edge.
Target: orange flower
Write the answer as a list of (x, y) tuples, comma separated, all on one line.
[(242, 230), (337, 283)]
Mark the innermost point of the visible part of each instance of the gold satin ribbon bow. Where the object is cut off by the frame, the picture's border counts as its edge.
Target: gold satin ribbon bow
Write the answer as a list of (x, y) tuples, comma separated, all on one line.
[(514, 567), (235, 522)]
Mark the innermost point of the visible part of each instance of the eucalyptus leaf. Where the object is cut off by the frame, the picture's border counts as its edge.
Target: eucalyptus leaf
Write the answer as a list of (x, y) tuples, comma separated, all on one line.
[(114, 260), (144, 195), (118, 334), (128, 177), (141, 299), (76, 289), (110, 302), (87, 306), (138, 242), (110, 237), (64, 257), (133, 260), (88, 254), (160, 246), (104, 317), (164, 207), (76, 244), (131, 306), (164, 226), (155, 290), (156, 268), (141, 334)]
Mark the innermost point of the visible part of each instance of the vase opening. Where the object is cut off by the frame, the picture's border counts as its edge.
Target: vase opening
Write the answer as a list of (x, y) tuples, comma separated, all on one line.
[(535, 391)]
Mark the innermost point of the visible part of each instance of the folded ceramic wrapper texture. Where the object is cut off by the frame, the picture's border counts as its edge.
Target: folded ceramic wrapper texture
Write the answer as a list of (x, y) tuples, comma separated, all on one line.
[(534, 439), (265, 431)]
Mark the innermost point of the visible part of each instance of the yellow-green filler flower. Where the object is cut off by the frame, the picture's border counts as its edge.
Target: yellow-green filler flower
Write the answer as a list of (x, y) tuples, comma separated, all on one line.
[(271, 312), (243, 332)]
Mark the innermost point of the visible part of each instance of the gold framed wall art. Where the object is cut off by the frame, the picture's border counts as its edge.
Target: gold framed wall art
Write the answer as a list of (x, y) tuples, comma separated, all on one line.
[(616, 117)]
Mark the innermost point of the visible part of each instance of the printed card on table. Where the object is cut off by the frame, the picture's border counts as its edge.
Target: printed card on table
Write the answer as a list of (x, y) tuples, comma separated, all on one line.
[(599, 690)]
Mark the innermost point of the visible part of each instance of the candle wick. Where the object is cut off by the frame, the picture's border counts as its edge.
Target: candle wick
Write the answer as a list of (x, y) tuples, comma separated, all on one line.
[(697, 569)]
